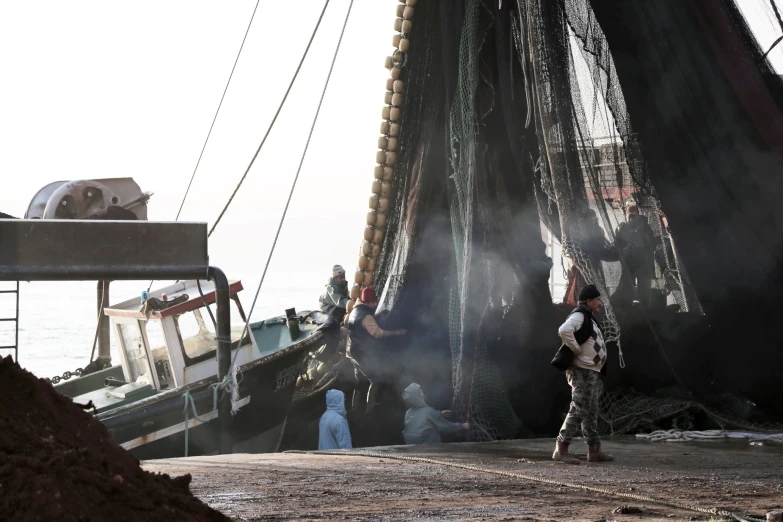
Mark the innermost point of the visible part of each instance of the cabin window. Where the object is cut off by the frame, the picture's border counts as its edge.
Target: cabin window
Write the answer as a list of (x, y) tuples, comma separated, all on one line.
[(160, 356), (136, 354), (197, 340), (237, 323)]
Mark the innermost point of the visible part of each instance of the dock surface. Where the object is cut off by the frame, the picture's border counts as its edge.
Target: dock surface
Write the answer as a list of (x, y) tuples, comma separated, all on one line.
[(734, 476)]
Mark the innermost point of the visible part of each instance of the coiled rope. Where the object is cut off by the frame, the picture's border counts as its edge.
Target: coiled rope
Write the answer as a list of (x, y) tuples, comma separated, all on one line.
[(540, 480)]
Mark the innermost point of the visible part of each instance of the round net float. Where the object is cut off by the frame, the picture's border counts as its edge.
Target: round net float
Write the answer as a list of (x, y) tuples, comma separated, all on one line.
[(380, 157), (394, 129), (391, 143), (411, 2), (378, 172), (386, 187), (383, 204), (396, 99), (372, 219), (398, 25), (396, 40), (385, 113), (401, 10), (376, 187), (405, 45), (385, 126), (380, 220), (407, 11), (376, 251), (372, 264), (388, 97), (364, 262), (404, 2), (396, 72), (350, 304), (389, 62), (356, 291), (368, 278), (389, 84), (395, 113), (407, 26), (358, 277), (366, 248), (388, 173), (368, 234), (377, 236), (391, 158), (374, 201), (397, 85)]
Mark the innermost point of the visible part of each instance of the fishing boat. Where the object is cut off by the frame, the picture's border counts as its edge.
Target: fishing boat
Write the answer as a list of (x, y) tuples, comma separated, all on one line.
[(161, 400), (162, 396)]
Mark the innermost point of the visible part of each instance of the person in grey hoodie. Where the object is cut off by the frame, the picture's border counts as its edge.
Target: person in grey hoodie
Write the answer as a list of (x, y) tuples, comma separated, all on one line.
[(333, 431), (423, 424)]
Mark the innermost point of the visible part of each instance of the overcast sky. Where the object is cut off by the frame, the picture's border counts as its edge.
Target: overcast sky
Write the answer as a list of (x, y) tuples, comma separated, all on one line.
[(94, 89)]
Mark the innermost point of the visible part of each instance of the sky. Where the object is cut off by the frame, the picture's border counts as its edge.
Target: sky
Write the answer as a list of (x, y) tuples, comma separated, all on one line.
[(95, 89)]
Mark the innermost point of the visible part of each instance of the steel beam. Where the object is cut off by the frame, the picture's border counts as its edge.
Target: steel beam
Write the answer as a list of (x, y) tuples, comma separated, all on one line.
[(76, 250)]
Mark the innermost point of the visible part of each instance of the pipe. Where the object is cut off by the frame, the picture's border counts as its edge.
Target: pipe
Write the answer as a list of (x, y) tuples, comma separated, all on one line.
[(104, 337), (223, 331)]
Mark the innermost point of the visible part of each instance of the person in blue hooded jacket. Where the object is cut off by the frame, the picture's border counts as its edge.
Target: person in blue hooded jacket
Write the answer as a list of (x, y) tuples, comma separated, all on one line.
[(333, 431), (424, 424)]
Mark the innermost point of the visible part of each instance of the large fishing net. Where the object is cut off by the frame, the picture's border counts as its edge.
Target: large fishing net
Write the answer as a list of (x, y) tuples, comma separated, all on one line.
[(515, 115)]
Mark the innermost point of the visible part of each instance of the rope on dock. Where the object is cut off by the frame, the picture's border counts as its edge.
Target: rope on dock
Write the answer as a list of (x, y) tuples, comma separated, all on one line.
[(541, 480)]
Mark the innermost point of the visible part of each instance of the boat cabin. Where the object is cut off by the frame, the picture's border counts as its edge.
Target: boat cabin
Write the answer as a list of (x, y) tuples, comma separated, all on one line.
[(176, 346)]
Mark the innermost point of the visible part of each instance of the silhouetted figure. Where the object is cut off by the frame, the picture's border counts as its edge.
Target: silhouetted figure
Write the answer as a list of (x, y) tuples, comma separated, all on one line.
[(636, 242)]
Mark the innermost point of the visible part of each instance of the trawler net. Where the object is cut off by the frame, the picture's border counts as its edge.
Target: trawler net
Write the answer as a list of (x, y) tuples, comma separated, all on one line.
[(514, 115)]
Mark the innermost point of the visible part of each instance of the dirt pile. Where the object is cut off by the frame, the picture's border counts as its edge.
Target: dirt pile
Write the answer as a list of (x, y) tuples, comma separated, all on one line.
[(58, 463)]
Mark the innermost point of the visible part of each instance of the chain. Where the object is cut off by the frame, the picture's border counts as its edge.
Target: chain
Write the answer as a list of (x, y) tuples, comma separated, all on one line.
[(65, 376)]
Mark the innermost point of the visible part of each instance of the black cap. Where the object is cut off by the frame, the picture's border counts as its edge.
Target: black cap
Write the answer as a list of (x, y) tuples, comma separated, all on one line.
[(589, 292)]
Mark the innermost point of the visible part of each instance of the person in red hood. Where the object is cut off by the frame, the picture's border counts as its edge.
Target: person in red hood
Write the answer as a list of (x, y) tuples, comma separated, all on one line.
[(365, 348)]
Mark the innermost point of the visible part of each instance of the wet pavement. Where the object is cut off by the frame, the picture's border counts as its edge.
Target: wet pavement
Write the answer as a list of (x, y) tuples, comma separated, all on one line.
[(734, 476)]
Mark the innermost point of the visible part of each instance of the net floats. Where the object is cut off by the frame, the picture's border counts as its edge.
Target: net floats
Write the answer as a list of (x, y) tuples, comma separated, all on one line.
[(386, 155)]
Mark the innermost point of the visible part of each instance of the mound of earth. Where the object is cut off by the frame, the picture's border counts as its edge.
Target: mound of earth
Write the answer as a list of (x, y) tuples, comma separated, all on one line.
[(58, 463)]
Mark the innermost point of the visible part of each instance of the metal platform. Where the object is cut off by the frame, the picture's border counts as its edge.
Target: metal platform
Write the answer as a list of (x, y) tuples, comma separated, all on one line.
[(76, 250)]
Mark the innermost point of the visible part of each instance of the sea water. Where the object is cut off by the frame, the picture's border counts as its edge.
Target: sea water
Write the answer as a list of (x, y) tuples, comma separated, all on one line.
[(57, 320)]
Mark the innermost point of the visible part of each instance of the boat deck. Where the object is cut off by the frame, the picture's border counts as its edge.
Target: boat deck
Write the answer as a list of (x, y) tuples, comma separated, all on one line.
[(734, 476)]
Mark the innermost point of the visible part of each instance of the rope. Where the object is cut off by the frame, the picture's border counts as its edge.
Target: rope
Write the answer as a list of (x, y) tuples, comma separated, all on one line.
[(229, 381), (192, 176), (274, 119), (296, 178), (777, 13), (190, 405), (531, 478)]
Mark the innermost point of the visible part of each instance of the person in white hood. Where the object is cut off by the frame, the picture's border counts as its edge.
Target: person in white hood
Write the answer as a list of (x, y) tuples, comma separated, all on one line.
[(333, 431), (423, 424)]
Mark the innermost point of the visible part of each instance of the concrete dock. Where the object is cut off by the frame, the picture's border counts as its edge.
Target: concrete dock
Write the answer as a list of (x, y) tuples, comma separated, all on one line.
[(734, 476)]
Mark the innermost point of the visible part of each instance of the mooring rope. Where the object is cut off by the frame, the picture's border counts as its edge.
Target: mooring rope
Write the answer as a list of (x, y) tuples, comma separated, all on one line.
[(541, 480)]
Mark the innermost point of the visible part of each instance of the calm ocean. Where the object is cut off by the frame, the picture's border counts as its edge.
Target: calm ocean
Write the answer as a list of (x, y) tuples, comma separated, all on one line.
[(57, 320)]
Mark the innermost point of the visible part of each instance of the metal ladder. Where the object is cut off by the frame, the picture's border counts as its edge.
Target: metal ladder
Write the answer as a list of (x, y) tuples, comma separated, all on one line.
[(15, 319)]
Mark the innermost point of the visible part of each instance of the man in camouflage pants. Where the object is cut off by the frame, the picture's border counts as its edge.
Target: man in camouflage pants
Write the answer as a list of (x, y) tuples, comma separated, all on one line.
[(582, 334)]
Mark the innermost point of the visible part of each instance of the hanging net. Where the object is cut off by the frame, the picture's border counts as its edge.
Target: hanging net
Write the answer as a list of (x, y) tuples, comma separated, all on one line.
[(515, 115)]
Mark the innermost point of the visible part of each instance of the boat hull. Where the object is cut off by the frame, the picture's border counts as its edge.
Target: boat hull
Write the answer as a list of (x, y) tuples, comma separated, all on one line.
[(156, 427)]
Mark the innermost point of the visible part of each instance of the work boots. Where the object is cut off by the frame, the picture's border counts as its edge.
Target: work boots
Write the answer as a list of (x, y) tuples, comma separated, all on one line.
[(561, 454), (594, 454)]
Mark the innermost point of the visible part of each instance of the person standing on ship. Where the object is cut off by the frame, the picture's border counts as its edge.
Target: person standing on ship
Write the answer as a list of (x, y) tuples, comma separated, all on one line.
[(333, 303), (582, 334)]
